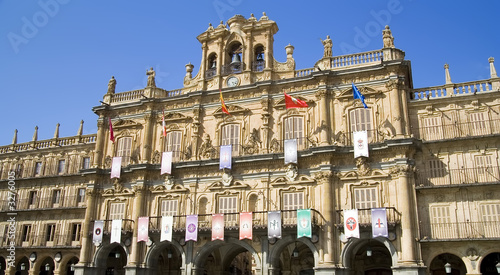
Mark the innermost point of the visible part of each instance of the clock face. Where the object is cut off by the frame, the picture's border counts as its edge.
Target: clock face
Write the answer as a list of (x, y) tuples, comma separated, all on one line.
[(232, 81)]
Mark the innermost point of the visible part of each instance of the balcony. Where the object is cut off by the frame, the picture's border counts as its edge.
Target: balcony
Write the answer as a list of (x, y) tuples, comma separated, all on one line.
[(458, 130), (428, 178), (365, 217), (258, 66), (460, 230), (233, 68), (59, 240), (43, 203)]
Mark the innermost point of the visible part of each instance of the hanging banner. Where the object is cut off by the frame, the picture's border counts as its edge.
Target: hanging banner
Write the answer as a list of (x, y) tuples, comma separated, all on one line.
[(191, 228), (167, 223), (116, 167), (116, 231), (143, 229), (351, 226), (225, 157), (274, 224), (166, 163), (98, 227), (360, 140), (217, 227), (379, 223), (245, 225), (290, 151), (304, 228)]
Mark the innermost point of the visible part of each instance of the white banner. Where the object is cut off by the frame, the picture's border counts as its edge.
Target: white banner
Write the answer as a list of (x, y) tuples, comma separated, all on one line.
[(360, 140), (116, 231), (351, 223), (166, 228)]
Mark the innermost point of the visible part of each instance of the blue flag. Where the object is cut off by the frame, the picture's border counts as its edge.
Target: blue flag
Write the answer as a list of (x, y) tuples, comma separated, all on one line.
[(358, 95)]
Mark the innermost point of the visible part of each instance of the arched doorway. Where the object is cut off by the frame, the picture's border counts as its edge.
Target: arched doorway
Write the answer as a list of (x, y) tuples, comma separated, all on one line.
[(368, 256), (23, 266), (47, 267), (441, 262), (169, 261), (488, 264), (116, 261), (70, 266), (3, 264)]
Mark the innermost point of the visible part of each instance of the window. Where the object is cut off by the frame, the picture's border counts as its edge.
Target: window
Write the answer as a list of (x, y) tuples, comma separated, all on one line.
[(26, 233), (231, 135), (294, 129), (365, 198), (19, 170), (56, 196), (478, 124), (86, 163), (32, 198), (173, 144), (124, 149), (61, 166), (292, 201), (202, 209), (484, 170), (168, 208), (437, 171), (80, 197), (38, 168), (490, 215), (361, 120), (228, 205), (441, 222), (76, 232), (432, 129), (116, 210), (51, 232)]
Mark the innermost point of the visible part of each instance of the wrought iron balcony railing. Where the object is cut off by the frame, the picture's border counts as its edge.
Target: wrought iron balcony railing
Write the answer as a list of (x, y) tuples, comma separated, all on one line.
[(233, 68), (460, 230), (427, 177), (43, 203), (458, 130), (365, 217)]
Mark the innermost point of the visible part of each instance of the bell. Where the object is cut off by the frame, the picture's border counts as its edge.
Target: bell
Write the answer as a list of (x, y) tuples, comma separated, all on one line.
[(236, 58), (260, 57), (213, 65)]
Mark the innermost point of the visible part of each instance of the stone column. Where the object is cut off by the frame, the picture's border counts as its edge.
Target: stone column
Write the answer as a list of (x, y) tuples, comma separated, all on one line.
[(269, 50), (265, 102), (203, 65), (85, 253), (195, 135), (324, 120), (219, 57), (396, 110), (148, 136), (100, 141), (139, 190), (326, 239), (249, 53), (448, 84)]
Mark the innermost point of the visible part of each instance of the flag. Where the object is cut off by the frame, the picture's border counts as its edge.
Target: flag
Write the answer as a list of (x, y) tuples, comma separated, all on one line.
[(116, 167), (191, 228), (164, 126), (225, 157), (167, 223), (142, 229), (116, 231), (292, 102), (274, 224), (304, 228), (379, 223), (245, 225), (224, 108), (290, 151), (358, 95), (166, 163), (351, 226), (360, 144), (217, 227), (98, 226), (111, 135)]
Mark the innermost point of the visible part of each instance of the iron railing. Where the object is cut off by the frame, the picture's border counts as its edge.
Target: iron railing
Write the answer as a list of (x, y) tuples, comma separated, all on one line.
[(458, 130), (43, 203), (460, 230), (426, 177), (365, 217), (233, 68)]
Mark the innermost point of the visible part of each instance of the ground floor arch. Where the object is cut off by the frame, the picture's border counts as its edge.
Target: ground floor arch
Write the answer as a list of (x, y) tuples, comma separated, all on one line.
[(489, 264), (166, 258), (111, 259), (447, 263), (375, 256)]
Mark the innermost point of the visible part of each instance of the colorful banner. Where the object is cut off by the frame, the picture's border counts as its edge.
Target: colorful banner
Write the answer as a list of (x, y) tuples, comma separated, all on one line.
[(351, 226), (225, 157), (166, 163), (274, 224), (167, 223), (245, 225), (304, 228), (290, 151), (217, 227), (143, 229), (98, 227), (360, 140), (116, 231), (379, 223), (116, 167), (191, 228)]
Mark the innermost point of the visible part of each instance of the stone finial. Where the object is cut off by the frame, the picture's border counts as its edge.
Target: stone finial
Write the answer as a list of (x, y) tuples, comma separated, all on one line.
[(14, 139), (264, 17), (289, 51), (447, 74), (388, 38), (493, 72), (111, 85), (56, 132), (189, 70), (35, 135), (80, 129), (327, 44)]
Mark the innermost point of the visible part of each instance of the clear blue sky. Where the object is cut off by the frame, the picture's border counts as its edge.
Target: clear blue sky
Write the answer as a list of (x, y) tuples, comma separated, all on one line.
[(57, 56)]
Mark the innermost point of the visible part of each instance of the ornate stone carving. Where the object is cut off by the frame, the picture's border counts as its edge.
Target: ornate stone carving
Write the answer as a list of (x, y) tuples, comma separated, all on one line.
[(291, 172), (388, 38), (323, 176), (363, 167), (117, 185), (275, 146), (151, 78), (392, 84), (169, 182), (327, 44), (156, 157), (207, 150), (400, 170), (112, 85), (253, 143), (227, 178), (107, 162)]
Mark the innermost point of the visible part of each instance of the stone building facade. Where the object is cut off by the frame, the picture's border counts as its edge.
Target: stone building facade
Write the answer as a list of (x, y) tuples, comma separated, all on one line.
[(433, 165)]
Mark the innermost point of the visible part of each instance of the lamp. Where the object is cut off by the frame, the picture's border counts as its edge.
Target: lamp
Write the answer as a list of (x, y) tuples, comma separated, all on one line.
[(447, 268), (368, 251), (117, 255), (47, 267), (72, 267), (169, 254), (498, 267), (295, 252), (23, 266)]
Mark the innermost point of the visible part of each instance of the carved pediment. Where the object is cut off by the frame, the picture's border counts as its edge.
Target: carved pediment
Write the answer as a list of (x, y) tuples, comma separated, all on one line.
[(300, 179), (366, 91), (176, 188), (126, 123), (173, 117), (218, 185), (376, 173), (233, 110), (280, 104), (111, 192)]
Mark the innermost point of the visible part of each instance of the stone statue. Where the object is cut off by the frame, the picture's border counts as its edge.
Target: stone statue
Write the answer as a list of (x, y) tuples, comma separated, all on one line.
[(387, 38), (363, 167), (327, 43), (252, 143), (111, 85), (151, 78), (207, 150)]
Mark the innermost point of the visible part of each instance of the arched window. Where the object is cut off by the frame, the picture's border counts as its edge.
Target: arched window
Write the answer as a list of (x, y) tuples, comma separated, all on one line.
[(259, 62), (173, 144), (124, 149), (252, 203), (233, 61), (202, 209), (361, 120), (294, 129), (211, 70), (231, 135)]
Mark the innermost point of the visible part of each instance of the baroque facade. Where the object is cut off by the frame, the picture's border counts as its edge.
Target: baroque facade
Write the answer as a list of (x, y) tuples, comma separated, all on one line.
[(433, 165)]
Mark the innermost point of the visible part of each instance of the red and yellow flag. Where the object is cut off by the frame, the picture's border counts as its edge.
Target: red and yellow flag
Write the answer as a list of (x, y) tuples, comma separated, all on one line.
[(111, 135), (224, 108), (163, 123)]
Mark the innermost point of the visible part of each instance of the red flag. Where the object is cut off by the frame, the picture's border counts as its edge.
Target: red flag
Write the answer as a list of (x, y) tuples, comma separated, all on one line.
[(224, 108), (163, 123), (292, 102), (111, 135)]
